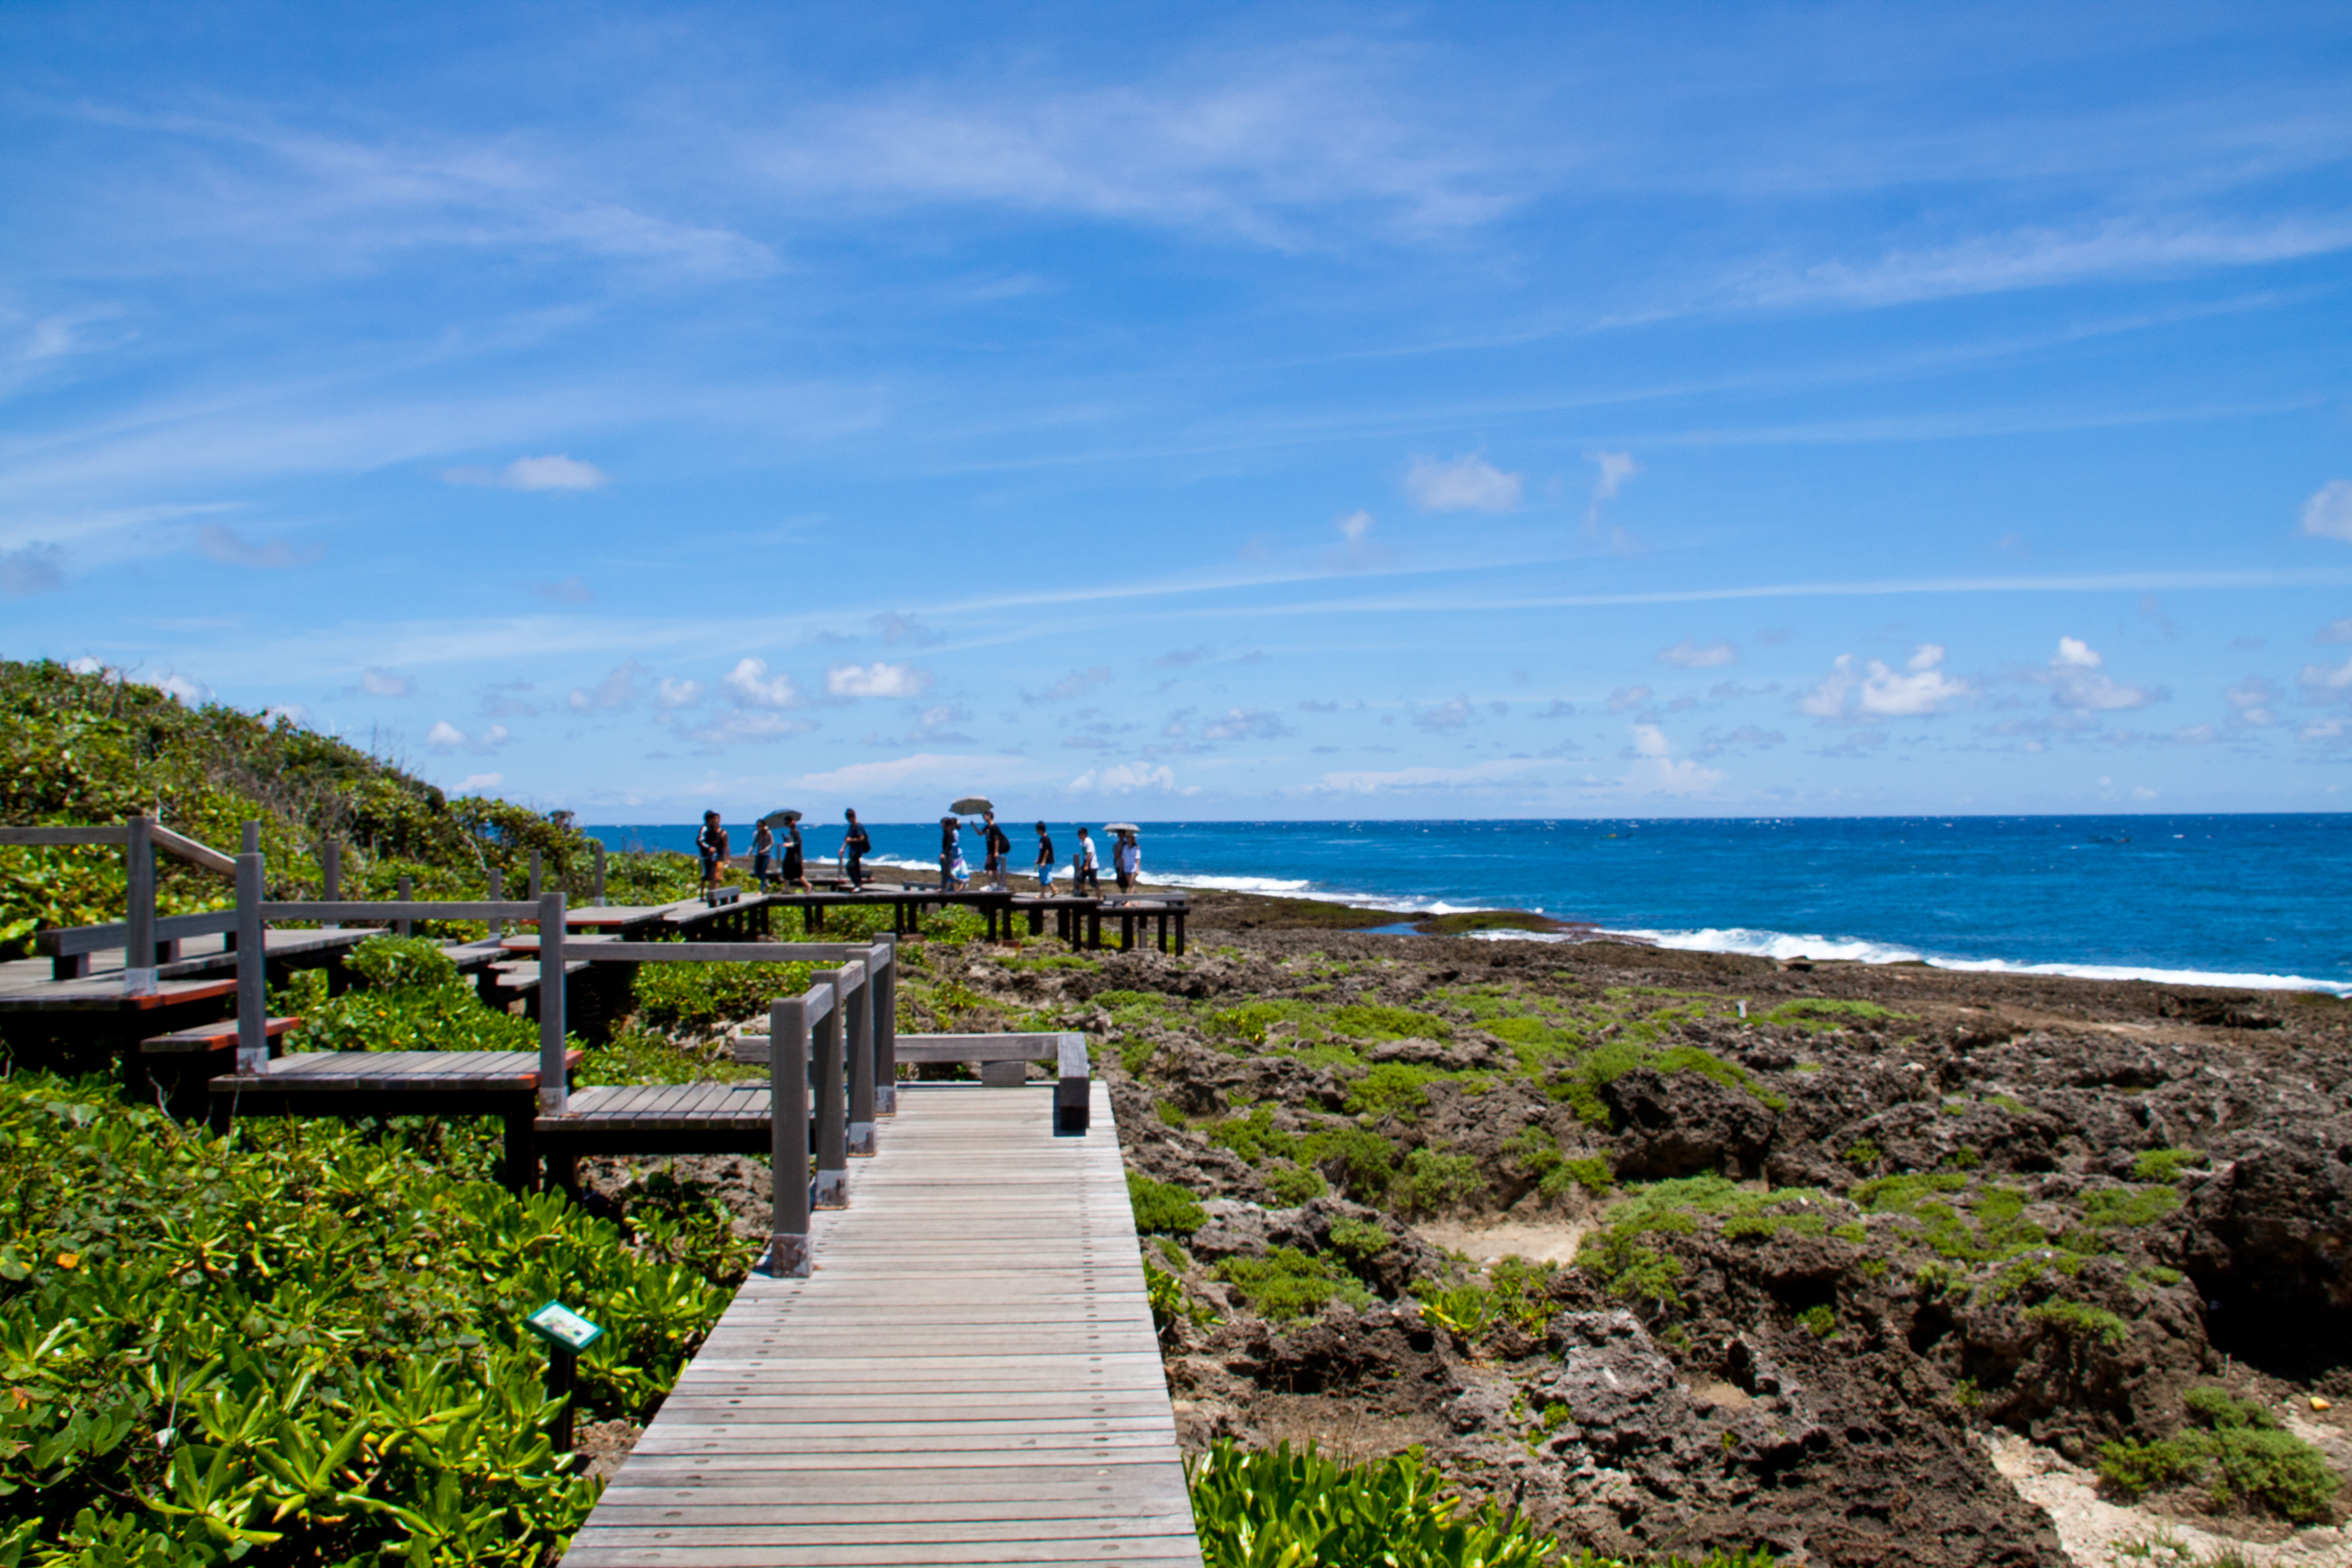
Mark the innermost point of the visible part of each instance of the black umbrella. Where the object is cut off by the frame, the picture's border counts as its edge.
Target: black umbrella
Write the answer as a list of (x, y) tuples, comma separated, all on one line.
[(778, 818), (972, 806)]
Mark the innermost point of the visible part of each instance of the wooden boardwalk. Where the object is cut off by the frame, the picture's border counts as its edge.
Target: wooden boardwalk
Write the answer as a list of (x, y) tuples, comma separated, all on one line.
[(968, 1375)]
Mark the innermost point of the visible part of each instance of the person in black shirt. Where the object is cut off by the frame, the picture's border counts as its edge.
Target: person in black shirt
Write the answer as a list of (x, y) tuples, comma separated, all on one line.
[(796, 873), (1044, 861), (712, 845), (998, 846), (948, 829), (854, 846)]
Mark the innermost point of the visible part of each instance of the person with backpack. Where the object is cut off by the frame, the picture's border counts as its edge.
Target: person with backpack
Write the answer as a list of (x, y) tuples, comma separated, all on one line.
[(856, 845), (950, 852), (712, 845), (998, 846), (1045, 867), (1085, 871)]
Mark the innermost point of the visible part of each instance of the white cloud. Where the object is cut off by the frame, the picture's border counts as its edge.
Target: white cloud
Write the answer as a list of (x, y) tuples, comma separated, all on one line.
[(384, 683), (178, 687), (1244, 724), (1626, 698), (941, 770), (2078, 680), (1129, 778), (1358, 551), (1688, 654), (445, 736), (737, 727), (2319, 679), (877, 679), (1655, 770), (35, 568), (223, 544), (473, 783), (1874, 690), (1447, 716), (1422, 778), (1612, 470), (2329, 512), (2254, 700), (85, 665), (553, 472), (1077, 683), (1467, 483), (617, 689), (292, 712), (749, 685), (672, 695)]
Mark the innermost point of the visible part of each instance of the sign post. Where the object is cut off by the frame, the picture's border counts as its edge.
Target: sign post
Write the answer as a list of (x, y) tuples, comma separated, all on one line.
[(567, 1333)]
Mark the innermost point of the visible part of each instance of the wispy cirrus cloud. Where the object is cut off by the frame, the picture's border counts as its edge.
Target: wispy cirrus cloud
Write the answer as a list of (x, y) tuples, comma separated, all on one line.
[(555, 471)]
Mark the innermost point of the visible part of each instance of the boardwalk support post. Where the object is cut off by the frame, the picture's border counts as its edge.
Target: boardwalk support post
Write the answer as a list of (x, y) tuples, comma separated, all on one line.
[(832, 1152), (598, 845), (553, 1092), (252, 960), (788, 1037), (331, 877), (884, 972), (407, 892), (498, 893), (861, 1060), (139, 945), (538, 875)]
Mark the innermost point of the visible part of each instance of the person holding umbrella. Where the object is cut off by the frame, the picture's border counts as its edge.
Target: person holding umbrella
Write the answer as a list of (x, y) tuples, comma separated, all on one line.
[(794, 872), (1125, 855)]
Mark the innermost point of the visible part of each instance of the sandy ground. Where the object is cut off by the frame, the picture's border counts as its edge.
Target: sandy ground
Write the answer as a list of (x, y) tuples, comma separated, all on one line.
[(2098, 1533), (1543, 1242)]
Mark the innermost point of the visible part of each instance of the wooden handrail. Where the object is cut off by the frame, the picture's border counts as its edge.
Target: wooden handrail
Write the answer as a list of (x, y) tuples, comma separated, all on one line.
[(188, 849)]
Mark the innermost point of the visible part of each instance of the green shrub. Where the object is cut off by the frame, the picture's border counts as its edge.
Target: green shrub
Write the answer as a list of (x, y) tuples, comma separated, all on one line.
[(1135, 1053), (1290, 1509), (401, 964), (1163, 1206), (1288, 1283), (2129, 1206), (304, 1344), (1590, 1172), (2165, 1165), (447, 1016), (1359, 1241), (1393, 1089), (1360, 1160), (1815, 1014), (1247, 1023), (1533, 1149), (1432, 1181), (2081, 1322), (1513, 1290), (699, 998), (1821, 1320), (2238, 1444), (1294, 1185), (1368, 1021), (1254, 1137)]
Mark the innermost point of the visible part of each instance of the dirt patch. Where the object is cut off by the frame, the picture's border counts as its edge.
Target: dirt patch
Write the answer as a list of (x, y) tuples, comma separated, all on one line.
[(1537, 1241)]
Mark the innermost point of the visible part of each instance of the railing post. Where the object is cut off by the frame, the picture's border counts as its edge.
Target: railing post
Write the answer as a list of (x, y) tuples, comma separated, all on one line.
[(139, 942), (598, 845), (788, 1232), (252, 960), (554, 1091), (498, 891), (407, 890), (536, 873), (831, 1130), (331, 876), (886, 1026), (861, 1060)]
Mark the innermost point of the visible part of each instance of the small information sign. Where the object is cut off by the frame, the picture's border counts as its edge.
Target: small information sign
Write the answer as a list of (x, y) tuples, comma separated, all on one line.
[(559, 1325)]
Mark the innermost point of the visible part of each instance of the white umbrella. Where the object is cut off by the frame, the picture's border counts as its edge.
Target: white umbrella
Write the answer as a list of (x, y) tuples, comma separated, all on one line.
[(1120, 828)]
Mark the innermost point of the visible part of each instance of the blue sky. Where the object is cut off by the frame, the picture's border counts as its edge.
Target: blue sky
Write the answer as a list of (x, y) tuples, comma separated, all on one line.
[(1196, 412)]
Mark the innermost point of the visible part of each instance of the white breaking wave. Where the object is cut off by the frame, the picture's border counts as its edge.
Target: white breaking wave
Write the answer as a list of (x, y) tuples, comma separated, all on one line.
[(1781, 945)]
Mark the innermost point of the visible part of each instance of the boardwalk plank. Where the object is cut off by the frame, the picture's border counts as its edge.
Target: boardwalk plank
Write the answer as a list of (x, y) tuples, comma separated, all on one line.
[(968, 1376)]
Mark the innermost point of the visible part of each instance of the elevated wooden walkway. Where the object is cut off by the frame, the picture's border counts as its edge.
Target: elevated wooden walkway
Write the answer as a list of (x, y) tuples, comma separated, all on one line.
[(968, 1375)]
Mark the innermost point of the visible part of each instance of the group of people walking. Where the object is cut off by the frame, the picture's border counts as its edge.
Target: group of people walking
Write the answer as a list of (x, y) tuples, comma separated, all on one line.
[(1086, 867), (786, 855)]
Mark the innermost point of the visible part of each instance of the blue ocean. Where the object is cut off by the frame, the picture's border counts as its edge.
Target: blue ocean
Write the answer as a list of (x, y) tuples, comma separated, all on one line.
[(2239, 901)]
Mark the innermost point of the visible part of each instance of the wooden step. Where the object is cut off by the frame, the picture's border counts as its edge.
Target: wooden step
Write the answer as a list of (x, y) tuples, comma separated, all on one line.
[(220, 1036)]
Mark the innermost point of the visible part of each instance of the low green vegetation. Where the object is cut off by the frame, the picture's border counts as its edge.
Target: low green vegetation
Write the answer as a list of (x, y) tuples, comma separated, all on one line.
[(2082, 1322), (1625, 1251), (1163, 1206), (1513, 1290), (1289, 1283), (1815, 1014), (2166, 1164), (302, 1343), (2238, 1450)]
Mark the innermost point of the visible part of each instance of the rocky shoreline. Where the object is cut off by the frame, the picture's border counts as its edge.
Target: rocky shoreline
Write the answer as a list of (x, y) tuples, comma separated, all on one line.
[(1671, 1251)]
